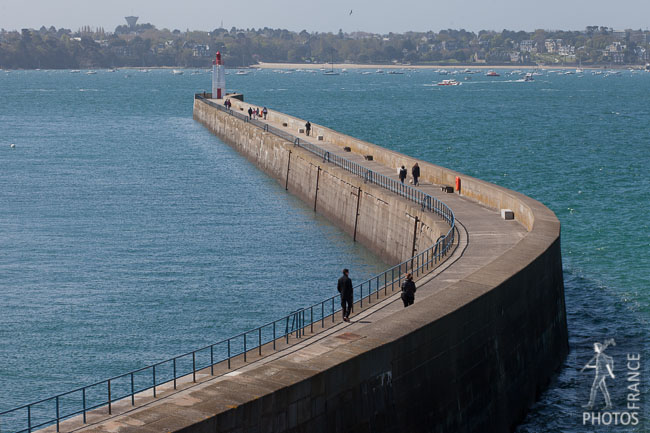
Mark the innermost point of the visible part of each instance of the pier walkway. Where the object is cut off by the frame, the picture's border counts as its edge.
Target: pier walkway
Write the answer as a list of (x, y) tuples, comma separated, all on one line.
[(482, 235)]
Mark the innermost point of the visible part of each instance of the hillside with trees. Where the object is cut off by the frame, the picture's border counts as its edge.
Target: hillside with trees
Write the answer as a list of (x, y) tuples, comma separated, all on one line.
[(143, 45)]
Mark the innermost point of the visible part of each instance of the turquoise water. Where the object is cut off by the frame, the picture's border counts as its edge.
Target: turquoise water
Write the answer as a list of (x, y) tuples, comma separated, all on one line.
[(126, 239), (130, 234)]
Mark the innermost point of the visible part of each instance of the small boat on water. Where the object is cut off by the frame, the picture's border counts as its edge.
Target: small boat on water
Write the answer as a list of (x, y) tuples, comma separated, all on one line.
[(91, 73), (177, 72), (492, 74), (449, 83), (396, 72), (242, 72), (75, 71), (379, 71), (529, 77)]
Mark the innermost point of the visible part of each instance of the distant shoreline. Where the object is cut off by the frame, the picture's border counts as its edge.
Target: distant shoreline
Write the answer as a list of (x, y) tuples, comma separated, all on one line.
[(393, 66), (262, 65)]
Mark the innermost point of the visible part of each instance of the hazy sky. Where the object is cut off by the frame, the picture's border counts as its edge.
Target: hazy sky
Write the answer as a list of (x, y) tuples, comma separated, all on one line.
[(330, 15)]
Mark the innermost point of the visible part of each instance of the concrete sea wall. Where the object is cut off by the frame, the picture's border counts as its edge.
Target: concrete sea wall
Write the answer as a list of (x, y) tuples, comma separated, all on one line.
[(472, 358), (374, 217)]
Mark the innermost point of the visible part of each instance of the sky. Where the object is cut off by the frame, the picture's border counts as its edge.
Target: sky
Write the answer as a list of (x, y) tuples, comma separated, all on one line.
[(376, 16)]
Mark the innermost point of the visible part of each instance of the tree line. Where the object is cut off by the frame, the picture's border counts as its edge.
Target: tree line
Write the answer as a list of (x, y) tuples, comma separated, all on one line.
[(146, 46)]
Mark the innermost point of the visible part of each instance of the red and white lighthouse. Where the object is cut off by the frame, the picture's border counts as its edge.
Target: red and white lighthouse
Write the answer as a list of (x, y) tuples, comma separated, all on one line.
[(218, 78)]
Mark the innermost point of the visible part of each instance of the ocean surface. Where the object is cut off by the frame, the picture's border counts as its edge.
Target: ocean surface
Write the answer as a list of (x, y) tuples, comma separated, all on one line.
[(129, 234)]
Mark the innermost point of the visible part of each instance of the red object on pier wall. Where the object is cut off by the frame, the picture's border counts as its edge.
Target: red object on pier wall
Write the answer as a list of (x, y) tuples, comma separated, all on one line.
[(458, 183)]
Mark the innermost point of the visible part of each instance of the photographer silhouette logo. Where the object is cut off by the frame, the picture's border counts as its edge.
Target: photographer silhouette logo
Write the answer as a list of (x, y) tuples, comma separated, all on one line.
[(604, 372)]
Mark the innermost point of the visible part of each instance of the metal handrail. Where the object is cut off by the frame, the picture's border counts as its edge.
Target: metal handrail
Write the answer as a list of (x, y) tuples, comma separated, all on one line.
[(104, 393)]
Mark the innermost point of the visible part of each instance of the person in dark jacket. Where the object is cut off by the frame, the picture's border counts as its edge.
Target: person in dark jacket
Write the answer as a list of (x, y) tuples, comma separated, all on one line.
[(307, 128), (415, 171), (408, 290), (250, 112), (345, 289), (402, 174)]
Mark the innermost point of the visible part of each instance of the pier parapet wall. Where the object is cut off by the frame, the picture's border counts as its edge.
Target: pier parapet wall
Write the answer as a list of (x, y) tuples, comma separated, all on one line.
[(472, 358)]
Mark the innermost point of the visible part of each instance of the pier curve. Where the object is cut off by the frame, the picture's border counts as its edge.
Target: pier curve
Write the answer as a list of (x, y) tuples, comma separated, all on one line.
[(486, 334)]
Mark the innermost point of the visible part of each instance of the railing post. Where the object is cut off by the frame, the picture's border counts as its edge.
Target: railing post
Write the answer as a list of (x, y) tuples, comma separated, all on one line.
[(296, 320), (311, 318), (211, 360), (57, 413), (83, 398), (174, 362), (273, 335), (194, 367), (154, 380), (332, 310), (360, 297), (29, 419), (244, 347), (229, 354), (259, 339), (322, 314), (132, 391), (110, 408)]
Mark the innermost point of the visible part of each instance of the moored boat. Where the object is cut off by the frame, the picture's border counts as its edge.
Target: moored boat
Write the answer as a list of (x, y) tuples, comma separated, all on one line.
[(449, 83)]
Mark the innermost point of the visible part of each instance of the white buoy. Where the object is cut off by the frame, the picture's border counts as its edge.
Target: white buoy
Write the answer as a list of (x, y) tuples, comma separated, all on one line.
[(12, 145)]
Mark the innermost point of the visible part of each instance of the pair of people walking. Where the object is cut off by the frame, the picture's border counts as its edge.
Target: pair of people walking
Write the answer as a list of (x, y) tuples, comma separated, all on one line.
[(415, 172), (344, 287)]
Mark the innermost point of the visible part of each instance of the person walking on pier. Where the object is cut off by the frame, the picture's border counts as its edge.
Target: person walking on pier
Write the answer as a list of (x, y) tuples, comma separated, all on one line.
[(307, 128), (402, 174), (265, 112), (345, 289), (408, 290), (250, 112), (415, 171)]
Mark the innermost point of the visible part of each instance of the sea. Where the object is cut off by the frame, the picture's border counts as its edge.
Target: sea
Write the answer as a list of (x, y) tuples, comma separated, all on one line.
[(129, 234)]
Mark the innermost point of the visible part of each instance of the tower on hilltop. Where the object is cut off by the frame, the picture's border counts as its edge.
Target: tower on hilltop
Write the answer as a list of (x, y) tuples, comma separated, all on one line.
[(131, 21)]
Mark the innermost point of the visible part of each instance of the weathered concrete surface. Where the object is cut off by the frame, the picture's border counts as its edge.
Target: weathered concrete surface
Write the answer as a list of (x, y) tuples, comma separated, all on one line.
[(486, 333)]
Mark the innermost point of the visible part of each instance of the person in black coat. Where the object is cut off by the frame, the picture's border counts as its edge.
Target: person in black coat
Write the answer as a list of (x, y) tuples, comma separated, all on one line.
[(307, 127), (415, 171), (345, 289), (402, 174), (408, 290)]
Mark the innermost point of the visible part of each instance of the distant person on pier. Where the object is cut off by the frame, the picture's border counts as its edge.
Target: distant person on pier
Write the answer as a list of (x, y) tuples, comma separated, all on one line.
[(402, 174), (415, 171), (408, 290), (345, 289), (307, 128), (257, 113), (250, 113), (265, 112)]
